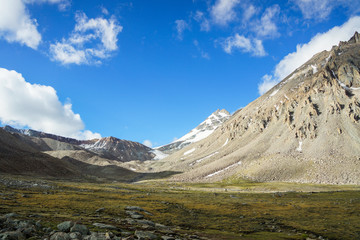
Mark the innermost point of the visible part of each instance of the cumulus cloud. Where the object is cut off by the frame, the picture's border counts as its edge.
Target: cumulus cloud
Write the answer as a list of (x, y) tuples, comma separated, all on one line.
[(266, 26), (91, 41), (16, 24), (320, 10), (253, 46), (148, 143), (320, 42), (23, 104), (181, 26), (223, 11)]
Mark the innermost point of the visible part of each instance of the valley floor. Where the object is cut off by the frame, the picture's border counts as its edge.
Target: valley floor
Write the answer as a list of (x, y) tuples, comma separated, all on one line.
[(226, 210)]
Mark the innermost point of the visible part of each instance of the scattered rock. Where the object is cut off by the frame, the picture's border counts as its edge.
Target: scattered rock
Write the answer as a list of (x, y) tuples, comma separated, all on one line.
[(143, 235), (65, 226), (134, 208), (75, 235), (106, 226), (100, 210), (80, 228), (60, 236), (167, 238), (12, 235), (146, 222), (11, 215), (135, 215)]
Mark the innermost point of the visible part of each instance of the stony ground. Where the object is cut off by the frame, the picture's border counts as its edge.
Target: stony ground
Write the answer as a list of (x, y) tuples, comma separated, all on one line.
[(43, 209)]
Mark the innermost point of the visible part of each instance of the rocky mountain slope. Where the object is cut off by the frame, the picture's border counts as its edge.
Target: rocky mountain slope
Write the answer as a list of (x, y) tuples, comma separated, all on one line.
[(202, 131), (305, 129), (17, 157), (110, 148)]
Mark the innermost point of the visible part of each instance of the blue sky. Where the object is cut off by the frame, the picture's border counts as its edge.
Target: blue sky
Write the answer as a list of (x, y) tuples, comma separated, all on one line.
[(152, 70)]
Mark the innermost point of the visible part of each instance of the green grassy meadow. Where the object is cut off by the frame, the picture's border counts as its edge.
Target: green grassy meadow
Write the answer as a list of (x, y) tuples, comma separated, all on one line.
[(225, 210)]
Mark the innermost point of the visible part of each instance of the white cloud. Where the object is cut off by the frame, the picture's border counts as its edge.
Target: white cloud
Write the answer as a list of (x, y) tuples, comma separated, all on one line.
[(38, 107), (104, 11), (181, 26), (253, 46), (249, 12), (67, 54), (204, 22), (202, 53), (266, 26), (148, 143), (320, 42), (321, 9), (314, 8), (267, 83), (81, 47), (16, 24), (62, 4), (223, 11)]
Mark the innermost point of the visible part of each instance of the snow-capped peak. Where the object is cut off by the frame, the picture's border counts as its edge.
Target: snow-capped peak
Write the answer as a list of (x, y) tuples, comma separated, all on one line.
[(202, 131)]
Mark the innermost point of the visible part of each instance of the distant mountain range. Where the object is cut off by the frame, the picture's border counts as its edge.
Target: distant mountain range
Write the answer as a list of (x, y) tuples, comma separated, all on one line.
[(110, 147)]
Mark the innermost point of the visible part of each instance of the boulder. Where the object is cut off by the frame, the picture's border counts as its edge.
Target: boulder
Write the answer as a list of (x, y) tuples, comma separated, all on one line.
[(14, 235), (144, 235), (65, 226), (60, 236), (80, 228)]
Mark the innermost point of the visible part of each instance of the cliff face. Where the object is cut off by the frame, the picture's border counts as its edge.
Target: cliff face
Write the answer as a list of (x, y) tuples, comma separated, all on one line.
[(305, 129)]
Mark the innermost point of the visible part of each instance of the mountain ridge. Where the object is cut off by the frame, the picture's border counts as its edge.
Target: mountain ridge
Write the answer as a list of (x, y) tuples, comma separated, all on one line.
[(108, 147), (203, 130), (304, 129)]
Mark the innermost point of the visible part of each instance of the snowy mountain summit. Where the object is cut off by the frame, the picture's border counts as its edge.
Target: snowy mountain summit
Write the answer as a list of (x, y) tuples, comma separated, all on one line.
[(202, 131)]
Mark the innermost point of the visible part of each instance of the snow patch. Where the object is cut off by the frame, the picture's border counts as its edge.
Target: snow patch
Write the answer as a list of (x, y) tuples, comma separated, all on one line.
[(222, 170), (209, 156), (299, 149), (342, 84), (226, 142), (99, 144), (190, 151), (328, 58), (159, 154), (314, 68)]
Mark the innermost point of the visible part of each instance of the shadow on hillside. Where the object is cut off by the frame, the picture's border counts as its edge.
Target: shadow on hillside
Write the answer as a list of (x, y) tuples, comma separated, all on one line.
[(114, 173)]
